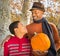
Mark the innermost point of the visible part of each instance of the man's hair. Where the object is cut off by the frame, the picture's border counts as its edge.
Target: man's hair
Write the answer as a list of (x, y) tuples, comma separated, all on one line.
[(12, 26)]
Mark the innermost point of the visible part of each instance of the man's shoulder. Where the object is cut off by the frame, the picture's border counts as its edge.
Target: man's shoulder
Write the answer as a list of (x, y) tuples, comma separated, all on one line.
[(31, 25), (52, 25)]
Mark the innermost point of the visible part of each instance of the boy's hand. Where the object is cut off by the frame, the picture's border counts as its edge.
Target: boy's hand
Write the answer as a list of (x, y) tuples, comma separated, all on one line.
[(5, 40), (38, 53)]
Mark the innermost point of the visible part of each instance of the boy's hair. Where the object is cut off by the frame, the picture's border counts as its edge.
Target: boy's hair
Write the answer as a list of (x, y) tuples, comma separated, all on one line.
[(12, 26)]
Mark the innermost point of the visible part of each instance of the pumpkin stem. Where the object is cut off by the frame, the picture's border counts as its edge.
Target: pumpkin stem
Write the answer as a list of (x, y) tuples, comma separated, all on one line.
[(35, 33)]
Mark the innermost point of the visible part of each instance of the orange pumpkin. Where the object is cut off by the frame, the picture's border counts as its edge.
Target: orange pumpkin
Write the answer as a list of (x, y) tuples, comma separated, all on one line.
[(40, 42)]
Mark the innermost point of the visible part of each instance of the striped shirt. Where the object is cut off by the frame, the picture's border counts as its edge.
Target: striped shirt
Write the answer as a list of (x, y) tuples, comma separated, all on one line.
[(17, 47)]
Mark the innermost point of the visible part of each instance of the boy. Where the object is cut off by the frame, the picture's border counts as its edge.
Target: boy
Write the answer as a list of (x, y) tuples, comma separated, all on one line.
[(17, 45)]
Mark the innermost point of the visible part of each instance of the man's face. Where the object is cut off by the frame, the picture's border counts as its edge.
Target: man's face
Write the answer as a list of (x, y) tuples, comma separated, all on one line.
[(37, 14)]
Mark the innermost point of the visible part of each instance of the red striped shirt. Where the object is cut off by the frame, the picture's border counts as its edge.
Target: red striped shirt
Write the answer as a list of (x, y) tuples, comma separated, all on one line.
[(17, 47)]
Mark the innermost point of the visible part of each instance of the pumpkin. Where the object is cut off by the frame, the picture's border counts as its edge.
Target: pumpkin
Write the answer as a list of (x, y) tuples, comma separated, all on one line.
[(40, 42)]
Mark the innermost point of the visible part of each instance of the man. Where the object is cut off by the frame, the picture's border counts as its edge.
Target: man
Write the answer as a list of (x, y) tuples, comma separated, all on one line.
[(40, 24)]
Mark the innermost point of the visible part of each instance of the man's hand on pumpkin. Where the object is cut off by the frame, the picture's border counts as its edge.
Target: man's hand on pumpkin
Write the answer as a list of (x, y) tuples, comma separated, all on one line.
[(39, 53)]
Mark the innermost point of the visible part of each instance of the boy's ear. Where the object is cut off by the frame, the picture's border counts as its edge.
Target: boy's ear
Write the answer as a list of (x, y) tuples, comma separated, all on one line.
[(15, 29)]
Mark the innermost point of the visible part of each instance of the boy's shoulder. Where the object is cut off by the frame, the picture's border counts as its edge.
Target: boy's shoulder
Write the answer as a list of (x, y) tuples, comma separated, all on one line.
[(11, 42), (11, 39)]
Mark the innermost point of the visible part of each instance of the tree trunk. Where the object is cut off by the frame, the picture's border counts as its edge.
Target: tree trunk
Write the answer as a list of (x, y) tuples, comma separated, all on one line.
[(4, 20), (25, 11)]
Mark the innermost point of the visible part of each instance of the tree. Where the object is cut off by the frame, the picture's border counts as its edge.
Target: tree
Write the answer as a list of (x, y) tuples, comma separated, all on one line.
[(4, 20)]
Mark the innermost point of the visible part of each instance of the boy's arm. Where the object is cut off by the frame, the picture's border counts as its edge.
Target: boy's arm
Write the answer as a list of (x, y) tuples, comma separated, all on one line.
[(6, 49), (56, 36)]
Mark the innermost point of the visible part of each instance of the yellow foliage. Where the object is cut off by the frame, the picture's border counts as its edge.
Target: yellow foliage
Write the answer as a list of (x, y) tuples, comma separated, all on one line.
[(53, 19), (15, 17)]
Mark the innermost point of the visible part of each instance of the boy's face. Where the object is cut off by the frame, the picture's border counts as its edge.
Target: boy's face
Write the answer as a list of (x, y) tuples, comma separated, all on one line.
[(21, 29)]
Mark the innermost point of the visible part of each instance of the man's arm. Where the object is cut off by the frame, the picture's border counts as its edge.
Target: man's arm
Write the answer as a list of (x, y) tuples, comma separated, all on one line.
[(6, 49), (5, 40), (55, 35)]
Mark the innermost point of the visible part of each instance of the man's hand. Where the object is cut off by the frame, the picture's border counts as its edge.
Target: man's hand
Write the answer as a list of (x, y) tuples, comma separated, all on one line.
[(38, 53), (5, 40), (57, 46)]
